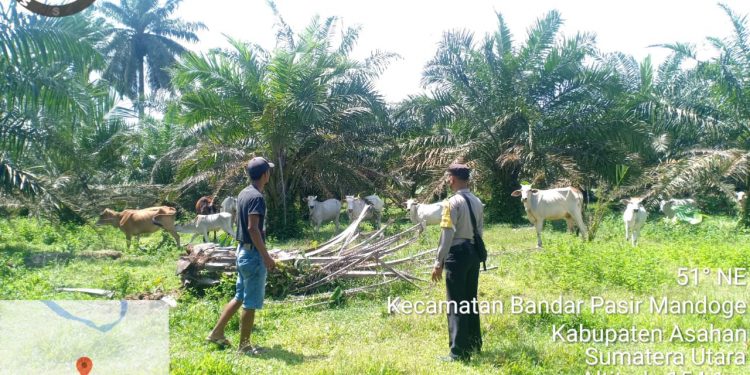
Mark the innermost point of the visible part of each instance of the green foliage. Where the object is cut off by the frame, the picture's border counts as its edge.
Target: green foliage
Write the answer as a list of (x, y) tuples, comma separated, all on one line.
[(142, 44), (307, 100)]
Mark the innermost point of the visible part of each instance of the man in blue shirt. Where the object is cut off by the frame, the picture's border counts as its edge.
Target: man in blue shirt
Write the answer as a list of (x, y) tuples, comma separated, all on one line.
[(253, 261)]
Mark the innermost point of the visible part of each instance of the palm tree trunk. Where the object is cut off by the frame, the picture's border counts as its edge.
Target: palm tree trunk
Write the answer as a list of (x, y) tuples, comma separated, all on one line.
[(283, 186), (141, 88), (531, 137)]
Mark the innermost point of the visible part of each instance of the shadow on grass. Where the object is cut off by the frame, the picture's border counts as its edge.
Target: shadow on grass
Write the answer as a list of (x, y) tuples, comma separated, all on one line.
[(288, 357), (513, 353)]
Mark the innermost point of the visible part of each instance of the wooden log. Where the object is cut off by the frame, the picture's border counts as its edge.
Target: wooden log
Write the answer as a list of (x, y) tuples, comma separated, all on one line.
[(182, 265), (93, 292), (354, 274)]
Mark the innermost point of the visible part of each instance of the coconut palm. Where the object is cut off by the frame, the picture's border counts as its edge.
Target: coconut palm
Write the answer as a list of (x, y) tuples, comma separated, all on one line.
[(143, 42)]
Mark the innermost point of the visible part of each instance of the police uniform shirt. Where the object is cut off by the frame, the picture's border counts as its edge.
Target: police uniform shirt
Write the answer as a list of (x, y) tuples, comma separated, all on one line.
[(456, 223)]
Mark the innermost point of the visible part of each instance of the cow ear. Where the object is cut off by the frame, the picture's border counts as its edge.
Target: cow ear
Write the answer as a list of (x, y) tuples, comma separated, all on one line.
[(516, 193), (625, 201)]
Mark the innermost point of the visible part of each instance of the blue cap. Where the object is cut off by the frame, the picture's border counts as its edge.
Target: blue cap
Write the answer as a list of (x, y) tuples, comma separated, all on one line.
[(257, 166)]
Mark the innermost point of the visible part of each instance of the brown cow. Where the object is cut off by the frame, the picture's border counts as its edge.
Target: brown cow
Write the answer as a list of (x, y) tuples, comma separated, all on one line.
[(205, 206), (144, 221)]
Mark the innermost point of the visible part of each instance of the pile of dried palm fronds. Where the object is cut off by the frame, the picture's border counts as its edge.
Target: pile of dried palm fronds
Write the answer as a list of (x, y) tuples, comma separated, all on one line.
[(350, 254)]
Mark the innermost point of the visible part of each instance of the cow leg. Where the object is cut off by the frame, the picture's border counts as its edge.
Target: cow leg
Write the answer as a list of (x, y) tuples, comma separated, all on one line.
[(579, 221), (539, 226), (127, 242), (337, 223), (175, 236), (635, 237), (627, 237), (569, 221)]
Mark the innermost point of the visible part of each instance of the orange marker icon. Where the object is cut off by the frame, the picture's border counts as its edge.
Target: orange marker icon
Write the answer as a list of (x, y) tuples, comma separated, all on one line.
[(84, 365)]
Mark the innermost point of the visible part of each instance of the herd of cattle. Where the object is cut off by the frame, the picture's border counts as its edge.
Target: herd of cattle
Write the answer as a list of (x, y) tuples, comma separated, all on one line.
[(540, 205)]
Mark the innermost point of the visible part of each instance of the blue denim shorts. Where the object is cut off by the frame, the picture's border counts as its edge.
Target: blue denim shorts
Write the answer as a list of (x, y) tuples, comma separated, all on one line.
[(251, 278)]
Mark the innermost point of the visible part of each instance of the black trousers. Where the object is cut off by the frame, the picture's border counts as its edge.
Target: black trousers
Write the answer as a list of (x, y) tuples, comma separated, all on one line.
[(461, 281)]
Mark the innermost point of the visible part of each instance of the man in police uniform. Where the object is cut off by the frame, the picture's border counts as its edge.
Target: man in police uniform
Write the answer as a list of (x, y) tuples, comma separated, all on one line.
[(457, 256)]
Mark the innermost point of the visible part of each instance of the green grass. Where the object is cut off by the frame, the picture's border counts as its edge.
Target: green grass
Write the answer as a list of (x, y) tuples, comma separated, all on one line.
[(361, 337)]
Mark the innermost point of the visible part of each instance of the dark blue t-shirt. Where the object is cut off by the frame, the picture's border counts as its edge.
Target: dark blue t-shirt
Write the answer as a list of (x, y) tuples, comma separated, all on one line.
[(250, 202)]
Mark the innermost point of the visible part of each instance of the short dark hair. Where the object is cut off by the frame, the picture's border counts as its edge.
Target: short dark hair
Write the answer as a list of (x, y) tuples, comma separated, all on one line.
[(255, 176)]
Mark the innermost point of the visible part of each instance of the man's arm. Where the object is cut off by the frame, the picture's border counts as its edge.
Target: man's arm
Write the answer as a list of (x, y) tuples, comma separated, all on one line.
[(254, 230), (446, 239)]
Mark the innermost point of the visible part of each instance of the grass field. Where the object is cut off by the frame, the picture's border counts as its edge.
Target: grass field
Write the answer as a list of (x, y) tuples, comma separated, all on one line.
[(360, 336)]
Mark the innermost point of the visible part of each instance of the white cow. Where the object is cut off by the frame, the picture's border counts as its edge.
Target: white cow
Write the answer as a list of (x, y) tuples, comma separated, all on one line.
[(202, 224), (634, 217), (668, 206), (230, 205), (355, 205), (424, 214), (553, 204), (741, 196), (323, 212)]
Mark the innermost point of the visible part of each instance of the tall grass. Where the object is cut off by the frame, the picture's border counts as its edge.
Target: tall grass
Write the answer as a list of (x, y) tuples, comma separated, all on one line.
[(360, 336)]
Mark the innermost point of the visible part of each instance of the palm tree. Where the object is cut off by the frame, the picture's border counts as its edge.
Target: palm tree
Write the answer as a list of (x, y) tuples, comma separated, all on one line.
[(143, 42), (535, 111), (45, 63), (713, 151), (307, 105)]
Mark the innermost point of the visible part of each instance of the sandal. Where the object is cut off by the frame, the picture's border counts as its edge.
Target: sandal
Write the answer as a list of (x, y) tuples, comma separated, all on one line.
[(222, 341)]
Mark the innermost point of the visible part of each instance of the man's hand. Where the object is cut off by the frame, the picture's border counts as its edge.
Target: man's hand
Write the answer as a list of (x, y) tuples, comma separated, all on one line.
[(269, 262), (437, 273)]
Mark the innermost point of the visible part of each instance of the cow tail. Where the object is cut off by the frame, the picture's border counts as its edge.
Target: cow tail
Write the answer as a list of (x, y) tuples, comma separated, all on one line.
[(158, 224)]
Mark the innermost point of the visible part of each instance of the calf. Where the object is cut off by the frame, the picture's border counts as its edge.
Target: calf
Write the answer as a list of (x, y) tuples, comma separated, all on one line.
[(202, 224), (553, 204), (634, 217), (230, 205), (144, 221), (668, 206), (323, 212), (424, 214), (355, 205)]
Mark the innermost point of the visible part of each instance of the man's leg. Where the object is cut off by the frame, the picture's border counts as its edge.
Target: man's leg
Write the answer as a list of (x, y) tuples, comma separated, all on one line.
[(247, 319), (455, 283), (229, 310), (472, 286)]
